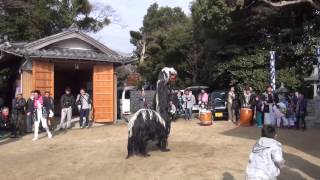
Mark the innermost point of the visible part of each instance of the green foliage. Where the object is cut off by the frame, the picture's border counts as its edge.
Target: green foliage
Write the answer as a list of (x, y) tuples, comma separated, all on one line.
[(37, 19), (213, 15), (247, 70), (167, 32), (222, 43)]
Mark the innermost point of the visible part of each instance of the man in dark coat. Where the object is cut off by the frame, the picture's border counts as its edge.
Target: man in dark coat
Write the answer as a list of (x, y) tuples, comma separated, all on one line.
[(301, 110), (29, 111), (49, 105), (18, 115), (67, 102)]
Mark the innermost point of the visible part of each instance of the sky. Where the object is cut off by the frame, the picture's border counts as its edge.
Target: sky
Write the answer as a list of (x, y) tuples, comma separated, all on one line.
[(130, 16)]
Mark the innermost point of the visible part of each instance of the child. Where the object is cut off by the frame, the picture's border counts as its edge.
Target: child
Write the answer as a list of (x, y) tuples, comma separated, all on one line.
[(172, 110), (290, 115), (4, 121), (279, 115), (266, 157)]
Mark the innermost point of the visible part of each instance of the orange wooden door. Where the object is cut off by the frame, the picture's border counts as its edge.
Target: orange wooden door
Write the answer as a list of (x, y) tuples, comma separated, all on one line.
[(103, 93), (43, 76)]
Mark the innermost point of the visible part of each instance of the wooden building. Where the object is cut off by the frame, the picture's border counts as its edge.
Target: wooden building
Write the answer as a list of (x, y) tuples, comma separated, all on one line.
[(67, 59)]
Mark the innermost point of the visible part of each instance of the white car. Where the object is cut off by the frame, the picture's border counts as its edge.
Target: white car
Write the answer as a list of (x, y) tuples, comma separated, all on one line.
[(125, 101)]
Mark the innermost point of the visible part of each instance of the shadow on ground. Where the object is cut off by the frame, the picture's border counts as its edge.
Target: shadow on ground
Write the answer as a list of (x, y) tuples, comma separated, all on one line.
[(227, 176)]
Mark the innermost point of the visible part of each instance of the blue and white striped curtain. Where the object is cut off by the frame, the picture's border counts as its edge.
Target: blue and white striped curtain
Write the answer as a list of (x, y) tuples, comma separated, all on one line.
[(273, 69)]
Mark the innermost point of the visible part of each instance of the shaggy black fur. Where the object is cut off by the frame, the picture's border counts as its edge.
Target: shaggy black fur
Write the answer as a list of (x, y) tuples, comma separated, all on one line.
[(147, 124)]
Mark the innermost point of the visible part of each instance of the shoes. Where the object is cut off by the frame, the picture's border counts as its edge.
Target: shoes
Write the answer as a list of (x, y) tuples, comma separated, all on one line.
[(49, 135), (34, 139), (87, 126), (13, 136)]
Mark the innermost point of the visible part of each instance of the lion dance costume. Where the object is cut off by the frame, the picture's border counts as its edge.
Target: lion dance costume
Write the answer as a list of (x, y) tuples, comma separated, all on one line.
[(152, 124)]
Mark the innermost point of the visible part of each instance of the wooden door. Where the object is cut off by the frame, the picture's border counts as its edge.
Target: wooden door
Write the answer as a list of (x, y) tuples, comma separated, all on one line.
[(103, 93), (27, 85), (43, 76)]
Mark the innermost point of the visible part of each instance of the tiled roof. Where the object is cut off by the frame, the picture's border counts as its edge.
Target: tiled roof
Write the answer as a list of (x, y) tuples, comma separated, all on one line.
[(36, 49), (58, 53)]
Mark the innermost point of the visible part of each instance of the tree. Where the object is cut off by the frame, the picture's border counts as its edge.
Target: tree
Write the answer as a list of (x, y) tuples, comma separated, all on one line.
[(161, 40), (282, 3), (228, 42), (27, 20)]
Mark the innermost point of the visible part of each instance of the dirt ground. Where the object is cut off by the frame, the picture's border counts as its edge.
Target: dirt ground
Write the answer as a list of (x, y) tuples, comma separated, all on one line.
[(215, 152)]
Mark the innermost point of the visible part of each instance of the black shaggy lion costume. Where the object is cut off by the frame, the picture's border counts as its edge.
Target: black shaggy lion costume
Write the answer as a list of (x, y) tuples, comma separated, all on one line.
[(152, 124)]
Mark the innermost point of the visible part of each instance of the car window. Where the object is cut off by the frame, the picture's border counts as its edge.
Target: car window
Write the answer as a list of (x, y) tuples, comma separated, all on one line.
[(218, 96), (127, 95)]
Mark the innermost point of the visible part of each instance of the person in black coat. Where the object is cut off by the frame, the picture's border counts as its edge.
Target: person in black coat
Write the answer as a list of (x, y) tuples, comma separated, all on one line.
[(18, 115), (67, 102), (49, 105), (236, 108), (29, 111), (301, 110)]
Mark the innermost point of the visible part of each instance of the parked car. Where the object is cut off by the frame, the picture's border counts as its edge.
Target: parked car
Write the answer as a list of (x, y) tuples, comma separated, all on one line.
[(219, 104), (195, 91), (124, 100)]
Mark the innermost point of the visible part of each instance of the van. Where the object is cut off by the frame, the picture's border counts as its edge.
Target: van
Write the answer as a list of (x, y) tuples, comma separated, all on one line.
[(124, 100)]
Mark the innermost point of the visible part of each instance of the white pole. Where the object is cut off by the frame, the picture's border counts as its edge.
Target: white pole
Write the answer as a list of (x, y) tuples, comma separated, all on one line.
[(273, 69)]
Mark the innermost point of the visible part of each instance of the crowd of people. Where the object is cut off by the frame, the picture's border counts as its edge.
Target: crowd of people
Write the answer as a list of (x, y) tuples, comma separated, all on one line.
[(286, 110), (269, 108), (37, 112), (186, 101)]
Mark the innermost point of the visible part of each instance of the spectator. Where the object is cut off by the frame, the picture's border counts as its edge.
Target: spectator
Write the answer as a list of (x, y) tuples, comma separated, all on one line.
[(180, 102), (247, 98), (172, 110), (66, 102), (259, 111), (40, 115), (192, 103), (49, 102), (231, 96), (290, 114), (235, 109), (266, 157), (187, 98), (143, 99), (279, 115), (84, 104), (203, 98), (18, 115), (269, 100), (301, 111), (4, 121), (30, 109)]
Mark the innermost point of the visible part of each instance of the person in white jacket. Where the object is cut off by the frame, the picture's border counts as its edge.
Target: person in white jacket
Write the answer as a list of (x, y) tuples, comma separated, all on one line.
[(266, 157)]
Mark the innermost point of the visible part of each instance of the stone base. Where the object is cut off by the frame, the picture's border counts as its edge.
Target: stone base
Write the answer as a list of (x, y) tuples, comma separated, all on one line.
[(313, 118)]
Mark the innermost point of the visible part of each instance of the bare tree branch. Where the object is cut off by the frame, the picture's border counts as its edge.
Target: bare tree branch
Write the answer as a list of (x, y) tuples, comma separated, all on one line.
[(282, 3)]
